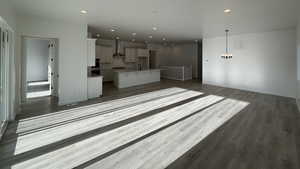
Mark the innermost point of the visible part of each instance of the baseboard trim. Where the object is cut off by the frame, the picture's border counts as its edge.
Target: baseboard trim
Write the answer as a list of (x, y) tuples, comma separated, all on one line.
[(3, 126), (249, 90)]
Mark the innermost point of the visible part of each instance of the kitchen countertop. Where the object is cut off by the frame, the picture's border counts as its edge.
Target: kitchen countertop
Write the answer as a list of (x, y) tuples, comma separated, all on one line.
[(135, 71), (95, 76)]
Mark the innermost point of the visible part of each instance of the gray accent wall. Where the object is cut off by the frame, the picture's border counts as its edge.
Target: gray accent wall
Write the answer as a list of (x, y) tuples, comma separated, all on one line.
[(177, 54)]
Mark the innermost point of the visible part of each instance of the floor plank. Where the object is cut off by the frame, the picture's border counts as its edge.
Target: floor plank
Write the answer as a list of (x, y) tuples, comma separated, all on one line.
[(81, 152), (51, 135), (42, 121), (265, 134), (172, 142)]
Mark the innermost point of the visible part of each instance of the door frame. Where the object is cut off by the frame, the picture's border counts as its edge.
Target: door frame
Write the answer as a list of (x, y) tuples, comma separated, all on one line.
[(200, 60), (24, 65), (53, 63), (8, 75)]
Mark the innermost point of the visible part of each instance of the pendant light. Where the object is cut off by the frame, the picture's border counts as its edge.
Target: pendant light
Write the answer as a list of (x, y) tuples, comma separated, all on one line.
[(227, 55)]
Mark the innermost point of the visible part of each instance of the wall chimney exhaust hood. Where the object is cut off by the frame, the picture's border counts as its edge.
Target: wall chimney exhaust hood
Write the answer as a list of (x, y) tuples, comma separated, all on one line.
[(118, 49)]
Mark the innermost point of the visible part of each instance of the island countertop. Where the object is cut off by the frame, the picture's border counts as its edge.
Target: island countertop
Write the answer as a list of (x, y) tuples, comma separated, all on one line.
[(135, 71)]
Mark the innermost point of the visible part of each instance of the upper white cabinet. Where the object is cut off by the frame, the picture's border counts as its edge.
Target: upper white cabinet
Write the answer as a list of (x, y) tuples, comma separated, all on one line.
[(105, 53), (130, 55), (91, 52), (142, 52)]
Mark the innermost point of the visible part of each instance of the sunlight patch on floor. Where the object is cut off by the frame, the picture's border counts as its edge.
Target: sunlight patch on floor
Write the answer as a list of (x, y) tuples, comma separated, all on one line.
[(38, 83), (47, 136), (90, 148), (173, 142), (65, 115), (38, 94)]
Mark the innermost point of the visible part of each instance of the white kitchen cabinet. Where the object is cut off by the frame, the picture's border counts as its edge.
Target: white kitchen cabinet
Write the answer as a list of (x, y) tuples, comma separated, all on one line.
[(91, 52), (105, 53), (95, 87), (130, 55), (142, 52)]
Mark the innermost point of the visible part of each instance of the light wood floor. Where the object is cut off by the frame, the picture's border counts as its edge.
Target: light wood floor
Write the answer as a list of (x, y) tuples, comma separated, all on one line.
[(171, 124)]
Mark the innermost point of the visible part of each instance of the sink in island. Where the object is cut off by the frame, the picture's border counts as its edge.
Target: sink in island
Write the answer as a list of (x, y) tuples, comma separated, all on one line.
[(128, 78)]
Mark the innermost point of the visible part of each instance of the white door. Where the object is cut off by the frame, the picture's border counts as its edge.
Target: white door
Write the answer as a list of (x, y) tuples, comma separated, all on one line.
[(4, 67), (52, 68), (2, 70)]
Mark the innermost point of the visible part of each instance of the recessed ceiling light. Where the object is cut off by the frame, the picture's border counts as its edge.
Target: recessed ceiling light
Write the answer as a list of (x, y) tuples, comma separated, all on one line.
[(150, 36), (133, 34), (154, 28), (83, 11), (112, 30), (227, 10), (164, 39)]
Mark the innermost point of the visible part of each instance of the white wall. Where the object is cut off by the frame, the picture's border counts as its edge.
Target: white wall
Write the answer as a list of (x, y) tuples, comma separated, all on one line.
[(72, 49), (37, 54), (262, 62), (7, 13)]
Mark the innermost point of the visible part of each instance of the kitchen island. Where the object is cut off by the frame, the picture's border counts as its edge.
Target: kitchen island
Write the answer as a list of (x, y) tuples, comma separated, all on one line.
[(128, 78)]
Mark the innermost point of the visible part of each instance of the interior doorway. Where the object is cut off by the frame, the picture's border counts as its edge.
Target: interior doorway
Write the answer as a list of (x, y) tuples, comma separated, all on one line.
[(200, 60), (40, 67)]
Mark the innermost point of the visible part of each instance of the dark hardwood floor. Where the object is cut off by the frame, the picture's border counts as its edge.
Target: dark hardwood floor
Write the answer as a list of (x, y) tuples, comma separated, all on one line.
[(180, 125)]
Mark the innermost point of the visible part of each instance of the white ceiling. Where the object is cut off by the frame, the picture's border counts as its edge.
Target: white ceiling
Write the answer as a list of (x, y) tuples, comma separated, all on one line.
[(177, 20)]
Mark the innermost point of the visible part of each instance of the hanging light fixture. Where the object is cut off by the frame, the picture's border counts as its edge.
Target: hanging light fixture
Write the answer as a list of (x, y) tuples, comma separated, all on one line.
[(227, 55)]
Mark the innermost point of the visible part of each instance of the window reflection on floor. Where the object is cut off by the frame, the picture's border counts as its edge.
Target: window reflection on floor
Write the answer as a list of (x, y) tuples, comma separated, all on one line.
[(38, 89), (138, 131)]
